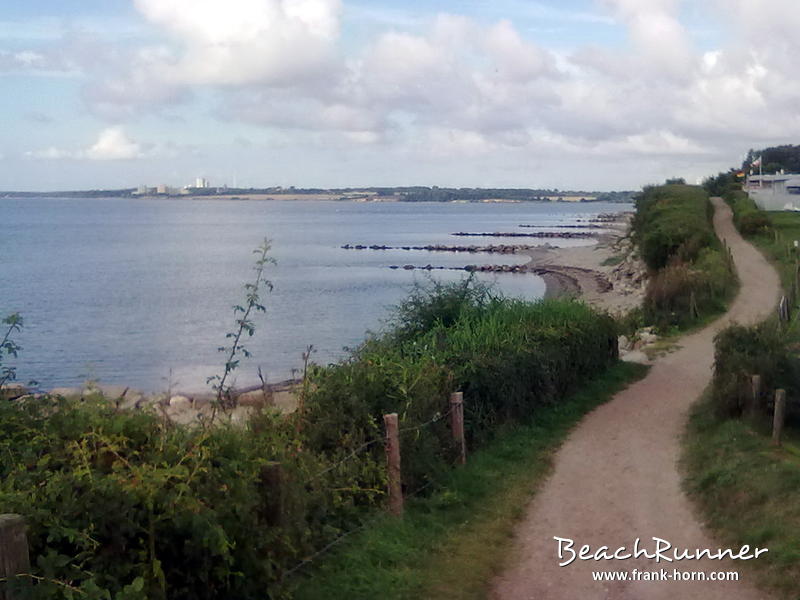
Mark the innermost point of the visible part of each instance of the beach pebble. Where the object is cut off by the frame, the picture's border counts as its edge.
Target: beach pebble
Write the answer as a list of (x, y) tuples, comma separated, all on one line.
[(636, 356), (66, 392), (180, 403), (13, 390), (112, 392)]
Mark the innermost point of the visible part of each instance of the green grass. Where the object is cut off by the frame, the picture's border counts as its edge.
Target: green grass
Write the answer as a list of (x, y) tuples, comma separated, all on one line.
[(777, 241), (748, 491), (450, 544), (691, 277), (746, 488), (670, 221), (613, 261), (778, 245)]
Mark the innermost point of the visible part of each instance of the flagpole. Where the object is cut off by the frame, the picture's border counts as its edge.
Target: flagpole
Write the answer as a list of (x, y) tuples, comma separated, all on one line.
[(760, 171)]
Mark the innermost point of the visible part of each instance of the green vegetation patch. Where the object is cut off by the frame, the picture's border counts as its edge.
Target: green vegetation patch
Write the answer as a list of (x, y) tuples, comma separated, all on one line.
[(672, 221), (691, 274), (746, 487), (451, 544), (510, 359), (748, 491), (125, 505)]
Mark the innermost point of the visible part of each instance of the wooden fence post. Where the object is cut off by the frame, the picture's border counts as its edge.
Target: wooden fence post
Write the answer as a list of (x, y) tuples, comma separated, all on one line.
[(778, 416), (272, 487), (14, 558), (393, 464), (783, 309), (797, 275), (457, 425), (755, 395)]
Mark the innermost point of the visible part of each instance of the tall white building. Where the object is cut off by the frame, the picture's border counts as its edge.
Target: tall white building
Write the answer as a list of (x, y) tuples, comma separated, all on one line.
[(201, 182)]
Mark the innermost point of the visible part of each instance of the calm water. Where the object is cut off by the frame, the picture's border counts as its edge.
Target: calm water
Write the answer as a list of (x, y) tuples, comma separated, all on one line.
[(124, 291)]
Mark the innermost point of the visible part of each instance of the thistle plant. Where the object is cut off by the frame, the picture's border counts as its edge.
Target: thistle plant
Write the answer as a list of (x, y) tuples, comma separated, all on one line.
[(244, 325)]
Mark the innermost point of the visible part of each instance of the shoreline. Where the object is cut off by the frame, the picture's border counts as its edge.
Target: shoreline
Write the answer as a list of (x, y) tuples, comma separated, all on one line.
[(606, 274)]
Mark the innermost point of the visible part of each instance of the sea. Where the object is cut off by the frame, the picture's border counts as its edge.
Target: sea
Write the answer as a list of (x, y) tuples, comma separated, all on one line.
[(139, 292)]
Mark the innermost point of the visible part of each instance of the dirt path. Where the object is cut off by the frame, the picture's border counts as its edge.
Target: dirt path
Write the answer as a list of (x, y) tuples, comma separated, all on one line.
[(616, 476)]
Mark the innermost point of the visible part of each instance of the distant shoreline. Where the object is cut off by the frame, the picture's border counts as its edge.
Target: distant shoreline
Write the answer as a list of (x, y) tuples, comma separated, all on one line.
[(300, 198), (375, 194)]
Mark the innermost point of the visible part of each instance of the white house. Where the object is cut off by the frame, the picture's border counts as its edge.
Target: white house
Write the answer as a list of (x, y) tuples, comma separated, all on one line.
[(775, 192)]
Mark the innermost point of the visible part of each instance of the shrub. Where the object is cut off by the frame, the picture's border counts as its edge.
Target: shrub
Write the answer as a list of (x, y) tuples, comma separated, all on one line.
[(672, 221), (691, 275), (754, 222), (121, 505), (740, 352), (507, 356), (436, 304), (118, 503)]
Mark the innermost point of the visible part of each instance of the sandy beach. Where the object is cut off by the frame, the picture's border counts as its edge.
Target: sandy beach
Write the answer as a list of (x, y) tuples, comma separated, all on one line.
[(607, 274)]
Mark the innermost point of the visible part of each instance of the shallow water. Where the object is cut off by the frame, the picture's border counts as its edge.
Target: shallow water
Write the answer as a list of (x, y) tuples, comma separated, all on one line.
[(129, 291)]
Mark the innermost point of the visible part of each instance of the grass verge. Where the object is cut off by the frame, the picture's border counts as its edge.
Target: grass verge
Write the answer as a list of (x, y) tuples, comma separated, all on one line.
[(450, 544), (775, 237), (747, 490)]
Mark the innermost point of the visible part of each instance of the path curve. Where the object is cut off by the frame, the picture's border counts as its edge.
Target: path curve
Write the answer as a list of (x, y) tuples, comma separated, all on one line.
[(616, 477)]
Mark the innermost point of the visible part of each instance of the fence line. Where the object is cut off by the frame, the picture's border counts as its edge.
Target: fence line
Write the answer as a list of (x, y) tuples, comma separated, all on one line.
[(336, 541), (437, 417), (350, 456)]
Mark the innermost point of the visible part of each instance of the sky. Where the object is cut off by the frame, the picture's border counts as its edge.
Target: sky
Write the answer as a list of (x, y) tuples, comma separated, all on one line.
[(569, 94)]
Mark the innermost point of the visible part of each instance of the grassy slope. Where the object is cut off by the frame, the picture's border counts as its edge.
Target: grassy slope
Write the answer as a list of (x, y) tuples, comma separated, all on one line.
[(748, 492), (451, 544), (777, 245), (747, 489), (676, 238)]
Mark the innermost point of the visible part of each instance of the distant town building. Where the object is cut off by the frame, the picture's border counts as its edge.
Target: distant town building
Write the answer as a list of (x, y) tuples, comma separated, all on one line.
[(162, 188), (775, 192), (201, 183)]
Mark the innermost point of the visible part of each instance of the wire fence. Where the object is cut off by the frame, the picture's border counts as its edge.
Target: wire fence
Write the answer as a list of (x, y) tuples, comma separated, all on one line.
[(437, 417)]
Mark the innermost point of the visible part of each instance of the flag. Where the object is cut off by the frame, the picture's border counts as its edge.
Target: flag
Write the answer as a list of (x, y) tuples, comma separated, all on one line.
[(756, 162)]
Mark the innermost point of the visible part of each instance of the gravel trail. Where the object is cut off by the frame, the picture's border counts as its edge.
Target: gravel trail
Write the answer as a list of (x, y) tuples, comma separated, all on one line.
[(616, 477)]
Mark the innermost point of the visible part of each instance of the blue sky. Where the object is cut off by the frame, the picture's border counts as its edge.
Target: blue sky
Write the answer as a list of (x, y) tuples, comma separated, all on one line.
[(589, 94)]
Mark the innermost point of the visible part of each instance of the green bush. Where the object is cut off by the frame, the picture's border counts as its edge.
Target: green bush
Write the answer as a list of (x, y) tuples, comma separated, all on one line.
[(747, 217), (507, 356), (691, 275), (672, 222), (122, 505), (754, 222), (739, 353)]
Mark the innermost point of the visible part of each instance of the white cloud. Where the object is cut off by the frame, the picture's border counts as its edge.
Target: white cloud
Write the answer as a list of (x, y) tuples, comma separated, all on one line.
[(223, 44), (51, 153), (448, 85), (111, 144), (114, 144), (25, 60)]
